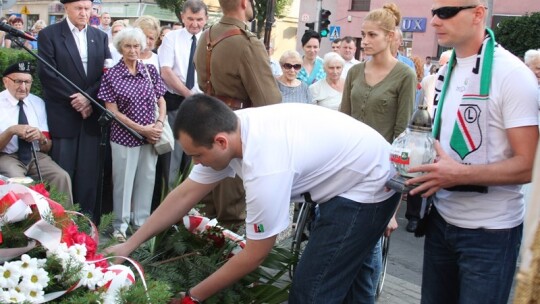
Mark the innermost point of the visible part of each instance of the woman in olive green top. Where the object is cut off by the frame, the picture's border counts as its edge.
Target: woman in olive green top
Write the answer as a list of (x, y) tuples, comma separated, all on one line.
[(380, 93)]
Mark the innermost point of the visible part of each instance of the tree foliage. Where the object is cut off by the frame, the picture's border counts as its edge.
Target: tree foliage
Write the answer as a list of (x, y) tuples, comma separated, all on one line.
[(519, 34), (279, 10)]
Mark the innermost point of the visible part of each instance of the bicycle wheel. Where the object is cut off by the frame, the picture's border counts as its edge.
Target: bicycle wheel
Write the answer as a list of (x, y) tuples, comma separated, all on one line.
[(385, 247), (301, 235)]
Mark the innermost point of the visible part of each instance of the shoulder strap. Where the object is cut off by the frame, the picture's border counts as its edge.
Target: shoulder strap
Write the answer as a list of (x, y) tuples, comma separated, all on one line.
[(209, 47)]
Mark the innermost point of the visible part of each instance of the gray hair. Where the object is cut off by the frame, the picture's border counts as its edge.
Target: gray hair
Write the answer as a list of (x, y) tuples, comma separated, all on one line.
[(445, 56), (129, 34), (194, 6), (531, 55), (289, 54), (333, 57)]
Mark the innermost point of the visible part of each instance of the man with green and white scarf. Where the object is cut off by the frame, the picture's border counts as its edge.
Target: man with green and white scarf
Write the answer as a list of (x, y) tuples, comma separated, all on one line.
[(486, 126)]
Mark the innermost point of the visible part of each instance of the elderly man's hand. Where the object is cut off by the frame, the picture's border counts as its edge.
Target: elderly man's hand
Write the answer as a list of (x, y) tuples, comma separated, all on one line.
[(87, 111), (27, 133), (79, 102)]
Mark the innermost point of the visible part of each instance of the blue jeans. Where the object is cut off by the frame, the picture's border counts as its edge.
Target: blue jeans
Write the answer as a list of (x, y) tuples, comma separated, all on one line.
[(468, 265), (330, 270), (369, 276)]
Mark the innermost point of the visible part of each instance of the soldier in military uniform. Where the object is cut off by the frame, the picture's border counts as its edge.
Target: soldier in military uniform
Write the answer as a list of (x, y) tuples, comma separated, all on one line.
[(238, 73)]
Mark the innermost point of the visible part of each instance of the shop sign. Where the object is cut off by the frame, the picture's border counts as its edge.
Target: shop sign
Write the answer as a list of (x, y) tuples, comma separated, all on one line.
[(413, 24)]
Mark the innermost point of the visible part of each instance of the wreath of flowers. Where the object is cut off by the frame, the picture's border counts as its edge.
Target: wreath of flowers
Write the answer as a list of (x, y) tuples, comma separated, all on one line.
[(50, 254), (43, 254)]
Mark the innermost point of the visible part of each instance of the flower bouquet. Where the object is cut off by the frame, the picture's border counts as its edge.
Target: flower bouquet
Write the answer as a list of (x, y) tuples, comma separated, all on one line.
[(44, 256)]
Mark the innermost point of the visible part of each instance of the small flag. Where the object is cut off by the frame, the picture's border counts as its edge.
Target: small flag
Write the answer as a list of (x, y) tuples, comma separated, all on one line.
[(259, 228)]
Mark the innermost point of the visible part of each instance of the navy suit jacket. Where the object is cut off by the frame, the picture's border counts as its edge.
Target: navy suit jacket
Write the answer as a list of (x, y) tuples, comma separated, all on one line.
[(57, 46)]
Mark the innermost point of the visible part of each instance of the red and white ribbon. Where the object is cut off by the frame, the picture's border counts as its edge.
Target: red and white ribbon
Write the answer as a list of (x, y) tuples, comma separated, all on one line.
[(199, 224)]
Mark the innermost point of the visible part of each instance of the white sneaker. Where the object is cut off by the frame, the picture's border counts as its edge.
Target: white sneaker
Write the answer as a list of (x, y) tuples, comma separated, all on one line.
[(119, 237)]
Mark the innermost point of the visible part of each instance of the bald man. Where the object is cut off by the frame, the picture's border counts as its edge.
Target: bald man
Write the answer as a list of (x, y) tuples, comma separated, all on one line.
[(486, 107)]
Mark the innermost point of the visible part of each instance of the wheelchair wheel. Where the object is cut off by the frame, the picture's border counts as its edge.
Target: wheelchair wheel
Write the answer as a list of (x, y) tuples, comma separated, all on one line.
[(385, 247), (301, 235)]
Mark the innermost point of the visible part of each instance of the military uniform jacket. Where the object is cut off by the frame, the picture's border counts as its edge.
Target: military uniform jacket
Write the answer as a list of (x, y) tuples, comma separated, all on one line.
[(239, 65)]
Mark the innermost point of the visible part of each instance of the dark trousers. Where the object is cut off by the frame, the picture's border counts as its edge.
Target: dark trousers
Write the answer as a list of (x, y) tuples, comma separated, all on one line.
[(414, 207), (79, 157)]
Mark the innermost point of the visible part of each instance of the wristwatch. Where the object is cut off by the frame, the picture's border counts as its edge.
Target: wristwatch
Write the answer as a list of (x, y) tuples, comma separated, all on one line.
[(188, 299)]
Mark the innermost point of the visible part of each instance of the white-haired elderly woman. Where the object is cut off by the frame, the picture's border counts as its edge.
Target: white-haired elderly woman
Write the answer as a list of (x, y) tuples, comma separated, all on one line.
[(532, 60), (130, 90), (327, 92), (292, 89)]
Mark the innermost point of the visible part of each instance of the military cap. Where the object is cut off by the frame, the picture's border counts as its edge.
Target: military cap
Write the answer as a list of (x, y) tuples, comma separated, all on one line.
[(19, 67)]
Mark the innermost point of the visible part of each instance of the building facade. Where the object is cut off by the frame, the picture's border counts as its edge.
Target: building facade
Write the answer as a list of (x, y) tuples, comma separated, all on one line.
[(419, 35), (284, 31)]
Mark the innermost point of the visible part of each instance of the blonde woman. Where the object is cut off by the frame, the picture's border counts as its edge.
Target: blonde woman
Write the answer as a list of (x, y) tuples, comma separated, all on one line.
[(150, 27), (379, 92)]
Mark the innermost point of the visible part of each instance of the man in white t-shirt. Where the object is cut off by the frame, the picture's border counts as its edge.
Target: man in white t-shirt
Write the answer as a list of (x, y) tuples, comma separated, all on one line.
[(347, 49), (282, 152), (487, 142)]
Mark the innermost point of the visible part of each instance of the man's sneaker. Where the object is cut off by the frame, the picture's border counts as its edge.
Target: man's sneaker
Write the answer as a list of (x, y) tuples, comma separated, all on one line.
[(119, 237)]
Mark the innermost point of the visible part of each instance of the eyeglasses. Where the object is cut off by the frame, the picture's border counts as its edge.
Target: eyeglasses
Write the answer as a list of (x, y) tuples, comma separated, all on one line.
[(289, 66), (19, 82), (447, 12)]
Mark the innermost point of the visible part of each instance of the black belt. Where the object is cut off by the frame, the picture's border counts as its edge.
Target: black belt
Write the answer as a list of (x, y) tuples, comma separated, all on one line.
[(173, 101), (468, 188)]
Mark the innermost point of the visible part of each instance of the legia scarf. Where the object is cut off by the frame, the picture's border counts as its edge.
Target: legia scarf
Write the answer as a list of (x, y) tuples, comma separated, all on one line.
[(470, 127)]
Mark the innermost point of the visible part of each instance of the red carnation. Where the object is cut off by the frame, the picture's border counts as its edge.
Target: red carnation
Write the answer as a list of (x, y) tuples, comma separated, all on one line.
[(40, 188), (69, 233)]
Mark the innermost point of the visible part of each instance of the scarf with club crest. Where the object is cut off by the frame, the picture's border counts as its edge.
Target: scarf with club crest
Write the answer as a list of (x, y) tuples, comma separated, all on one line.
[(467, 142)]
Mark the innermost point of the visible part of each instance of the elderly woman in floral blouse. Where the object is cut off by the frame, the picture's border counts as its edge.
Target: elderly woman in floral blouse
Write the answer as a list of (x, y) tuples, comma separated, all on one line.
[(130, 90)]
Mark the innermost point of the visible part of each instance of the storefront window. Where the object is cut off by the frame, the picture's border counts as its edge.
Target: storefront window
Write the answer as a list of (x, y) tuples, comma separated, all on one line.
[(360, 5)]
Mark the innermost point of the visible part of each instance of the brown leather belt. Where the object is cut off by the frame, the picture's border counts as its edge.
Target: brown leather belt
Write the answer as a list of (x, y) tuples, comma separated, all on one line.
[(233, 103)]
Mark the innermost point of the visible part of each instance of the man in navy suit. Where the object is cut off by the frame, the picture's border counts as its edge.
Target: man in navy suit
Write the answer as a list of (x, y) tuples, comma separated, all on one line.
[(78, 51)]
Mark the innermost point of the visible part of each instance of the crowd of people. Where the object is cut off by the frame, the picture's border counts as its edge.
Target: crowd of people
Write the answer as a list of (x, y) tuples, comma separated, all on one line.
[(261, 133)]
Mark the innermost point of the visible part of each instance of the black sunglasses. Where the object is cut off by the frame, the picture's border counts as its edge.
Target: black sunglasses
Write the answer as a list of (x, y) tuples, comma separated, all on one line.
[(289, 66), (447, 12)]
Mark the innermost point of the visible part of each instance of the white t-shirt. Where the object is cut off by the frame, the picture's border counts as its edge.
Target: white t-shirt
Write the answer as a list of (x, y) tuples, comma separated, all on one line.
[(34, 108), (153, 60), (174, 53), (291, 149), (324, 95), (115, 55), (347, 66), (512, 104), (427, 68)]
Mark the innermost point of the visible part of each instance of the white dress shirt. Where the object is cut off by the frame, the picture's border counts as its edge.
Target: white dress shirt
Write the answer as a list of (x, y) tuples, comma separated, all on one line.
[(81, 41), (34, 108), (174, 53)]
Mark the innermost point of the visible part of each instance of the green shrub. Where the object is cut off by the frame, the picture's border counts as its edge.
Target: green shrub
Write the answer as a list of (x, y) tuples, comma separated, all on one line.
[(11, 56), (519, 34)]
